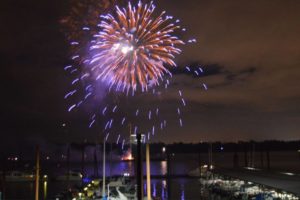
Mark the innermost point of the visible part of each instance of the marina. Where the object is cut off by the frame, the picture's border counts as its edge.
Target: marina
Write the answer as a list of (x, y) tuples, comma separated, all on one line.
[(173, 176), (286, 182), (150, 100)]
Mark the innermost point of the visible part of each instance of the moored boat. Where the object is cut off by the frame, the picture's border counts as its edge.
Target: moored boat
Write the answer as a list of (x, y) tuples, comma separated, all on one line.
[(19, 176), (69, 176)]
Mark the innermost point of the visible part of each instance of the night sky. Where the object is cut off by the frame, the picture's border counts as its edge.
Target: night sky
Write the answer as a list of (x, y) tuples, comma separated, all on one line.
[(250, 51)]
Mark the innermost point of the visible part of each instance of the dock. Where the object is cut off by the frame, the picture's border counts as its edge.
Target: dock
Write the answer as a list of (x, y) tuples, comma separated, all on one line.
[(288, 182)]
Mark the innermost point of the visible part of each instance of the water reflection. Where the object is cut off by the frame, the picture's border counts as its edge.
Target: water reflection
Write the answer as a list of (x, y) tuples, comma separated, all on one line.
[(163, 188), (159, 186), (182, 191), (119, 168), (145, 188), (154, 189), (163, 167), (45, 189)]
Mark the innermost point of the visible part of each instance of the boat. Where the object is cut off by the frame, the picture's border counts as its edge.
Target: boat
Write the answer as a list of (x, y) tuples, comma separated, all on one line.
[(116, 188), (70, 176), (200, 171), (19, 176)]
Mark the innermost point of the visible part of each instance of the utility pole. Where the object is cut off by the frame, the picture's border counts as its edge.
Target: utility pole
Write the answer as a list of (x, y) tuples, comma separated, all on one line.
[(103, 181), (148, 171), (139, 169), (210, 156), (246, 154), (169, 174), (96, 174), (82, 158), (68, 165), (253, 155), (37, 173), (268, 159), (2, 178)]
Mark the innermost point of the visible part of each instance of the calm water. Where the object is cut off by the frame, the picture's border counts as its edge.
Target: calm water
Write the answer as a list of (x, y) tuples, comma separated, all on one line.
[(188, 189), (181, 188)]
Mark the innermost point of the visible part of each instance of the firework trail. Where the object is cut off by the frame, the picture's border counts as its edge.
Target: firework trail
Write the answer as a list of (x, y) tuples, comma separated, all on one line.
[(133, 49)]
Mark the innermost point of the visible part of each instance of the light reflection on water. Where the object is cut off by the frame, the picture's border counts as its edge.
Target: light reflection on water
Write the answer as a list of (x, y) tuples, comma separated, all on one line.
[(163, 167), (182, 191), (119, 168), (45, 189), (154, 189), (180, 188)]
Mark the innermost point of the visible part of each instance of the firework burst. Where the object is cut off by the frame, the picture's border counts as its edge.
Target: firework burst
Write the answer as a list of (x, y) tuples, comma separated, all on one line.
[(133, 47)]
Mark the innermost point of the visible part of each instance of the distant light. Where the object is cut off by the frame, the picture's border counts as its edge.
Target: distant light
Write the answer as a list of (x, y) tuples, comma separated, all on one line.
[(222, 148), (252, 168), (47, 158), (164, 149), (63, 124), (288, 173)]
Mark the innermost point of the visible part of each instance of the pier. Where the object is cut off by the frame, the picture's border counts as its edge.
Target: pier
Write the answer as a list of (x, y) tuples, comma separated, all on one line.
[(287, 182)]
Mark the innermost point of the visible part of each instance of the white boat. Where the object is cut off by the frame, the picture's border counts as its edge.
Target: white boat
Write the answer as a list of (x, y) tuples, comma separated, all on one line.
[(117, 193), (117, 189), (71, 176), (17, 176), (200, 171)]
